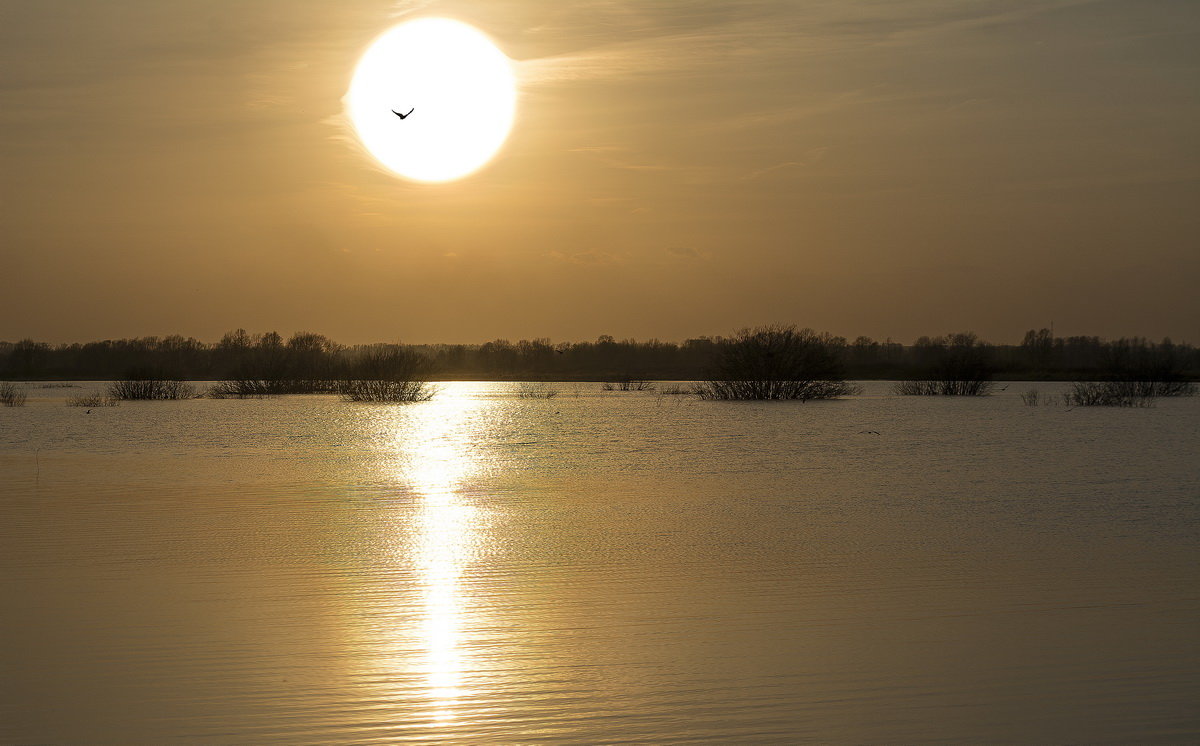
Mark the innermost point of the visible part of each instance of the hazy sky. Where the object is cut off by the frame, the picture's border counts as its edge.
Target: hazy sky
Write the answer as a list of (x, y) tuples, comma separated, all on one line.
[(880, 167)]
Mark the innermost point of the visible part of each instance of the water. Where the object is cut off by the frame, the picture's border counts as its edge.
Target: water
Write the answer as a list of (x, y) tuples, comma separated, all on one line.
[(598, 567)]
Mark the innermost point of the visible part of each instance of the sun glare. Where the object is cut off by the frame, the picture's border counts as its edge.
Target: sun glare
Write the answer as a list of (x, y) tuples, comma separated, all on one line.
[(432, 99)]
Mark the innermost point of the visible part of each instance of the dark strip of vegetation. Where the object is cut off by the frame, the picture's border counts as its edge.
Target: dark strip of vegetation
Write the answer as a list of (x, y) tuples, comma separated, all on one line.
[(267, 364)]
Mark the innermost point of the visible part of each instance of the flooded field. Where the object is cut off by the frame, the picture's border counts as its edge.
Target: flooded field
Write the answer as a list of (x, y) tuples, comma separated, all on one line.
[(599, 567)]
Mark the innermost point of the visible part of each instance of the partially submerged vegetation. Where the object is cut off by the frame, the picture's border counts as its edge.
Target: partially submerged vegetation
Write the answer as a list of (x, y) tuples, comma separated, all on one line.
[(944, 387), (387, 374), (150, 385), (1124, 393), (93, 400), (627, 384), (1106, 394), (957, 365), (245, 388), (11, 396), (676, 389), (1034, 398), (1133, 377), (535, 390), (776, 363)]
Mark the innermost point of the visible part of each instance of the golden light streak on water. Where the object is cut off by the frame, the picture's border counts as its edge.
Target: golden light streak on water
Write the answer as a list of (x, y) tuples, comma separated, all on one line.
[(439, 458)]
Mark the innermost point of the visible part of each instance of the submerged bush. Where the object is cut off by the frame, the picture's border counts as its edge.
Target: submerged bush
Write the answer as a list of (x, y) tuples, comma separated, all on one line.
[(775, 390), (778, 362), (627, 384), (151, 389), (150, 385), (386, 391), (388, 374), (246, 388), (676, 389), (943, 388), (536, 391), (1167, 388), (92, 401), (11, 396), (1034, 398), (1109, 394), (957, 365)]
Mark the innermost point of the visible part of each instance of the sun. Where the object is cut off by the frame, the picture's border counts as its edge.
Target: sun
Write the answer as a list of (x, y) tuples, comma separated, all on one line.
[(432, 99)]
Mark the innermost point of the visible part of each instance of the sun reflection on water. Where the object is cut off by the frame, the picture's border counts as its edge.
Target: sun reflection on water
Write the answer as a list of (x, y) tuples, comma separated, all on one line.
[(438, 460)]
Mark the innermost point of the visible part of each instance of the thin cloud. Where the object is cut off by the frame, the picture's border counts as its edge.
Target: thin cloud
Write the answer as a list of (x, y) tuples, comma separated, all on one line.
[(674, 41), (771, 169), (686, 253)]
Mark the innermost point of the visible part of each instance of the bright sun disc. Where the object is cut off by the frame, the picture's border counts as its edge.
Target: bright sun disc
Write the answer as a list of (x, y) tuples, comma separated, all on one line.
[(459, 87)]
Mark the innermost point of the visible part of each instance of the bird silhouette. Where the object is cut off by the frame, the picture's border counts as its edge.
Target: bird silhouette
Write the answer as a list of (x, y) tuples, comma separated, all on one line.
[(403, 116)]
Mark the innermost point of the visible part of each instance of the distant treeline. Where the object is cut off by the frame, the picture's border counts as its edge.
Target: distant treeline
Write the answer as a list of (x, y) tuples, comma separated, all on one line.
[(240, 355)]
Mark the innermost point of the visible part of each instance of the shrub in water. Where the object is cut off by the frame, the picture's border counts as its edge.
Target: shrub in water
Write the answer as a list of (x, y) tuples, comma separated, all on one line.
[(388, 374), (778, 362), (1109, 394), (151, 385), (11, 396), (92, 401)]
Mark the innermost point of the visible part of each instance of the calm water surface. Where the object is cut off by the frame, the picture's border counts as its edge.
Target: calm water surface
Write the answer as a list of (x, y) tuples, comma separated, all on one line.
[(598, 567)]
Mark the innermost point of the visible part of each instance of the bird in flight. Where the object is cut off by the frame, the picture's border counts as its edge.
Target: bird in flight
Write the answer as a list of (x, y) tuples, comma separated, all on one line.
[(403, 116)]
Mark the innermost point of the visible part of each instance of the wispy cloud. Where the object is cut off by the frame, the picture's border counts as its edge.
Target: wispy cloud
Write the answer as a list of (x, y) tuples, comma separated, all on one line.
[(699, 40)]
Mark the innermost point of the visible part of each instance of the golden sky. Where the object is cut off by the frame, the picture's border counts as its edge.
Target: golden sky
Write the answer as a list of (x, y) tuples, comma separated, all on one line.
[(888, 168)]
